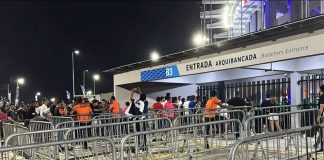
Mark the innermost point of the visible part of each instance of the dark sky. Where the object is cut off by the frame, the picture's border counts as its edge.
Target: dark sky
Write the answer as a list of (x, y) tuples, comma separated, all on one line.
[(37, 38)]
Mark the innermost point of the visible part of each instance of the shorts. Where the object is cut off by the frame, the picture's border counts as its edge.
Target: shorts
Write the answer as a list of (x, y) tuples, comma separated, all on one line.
[(273, 118)]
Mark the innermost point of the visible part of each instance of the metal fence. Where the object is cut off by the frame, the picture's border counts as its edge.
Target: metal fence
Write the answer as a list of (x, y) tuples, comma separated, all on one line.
[(186, 142), (280, 121), (298, 143), (100, 148)]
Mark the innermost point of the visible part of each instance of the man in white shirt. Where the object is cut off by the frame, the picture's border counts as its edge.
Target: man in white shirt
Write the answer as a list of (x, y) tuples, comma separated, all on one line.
[(186, 105), (41, 109)]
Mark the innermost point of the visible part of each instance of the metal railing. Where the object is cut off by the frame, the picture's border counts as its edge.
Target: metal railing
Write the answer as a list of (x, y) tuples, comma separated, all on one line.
[(100, 148), (198, 140), (298, 143), (280, 121)]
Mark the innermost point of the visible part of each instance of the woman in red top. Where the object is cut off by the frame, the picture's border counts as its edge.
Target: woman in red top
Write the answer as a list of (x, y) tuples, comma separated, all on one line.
[(157, 106)]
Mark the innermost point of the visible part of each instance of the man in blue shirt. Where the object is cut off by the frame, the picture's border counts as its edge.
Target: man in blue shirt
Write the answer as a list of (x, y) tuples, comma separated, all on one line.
[(192, 104)]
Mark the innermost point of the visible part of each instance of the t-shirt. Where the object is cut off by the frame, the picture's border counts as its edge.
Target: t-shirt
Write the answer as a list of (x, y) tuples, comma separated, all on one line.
[(31, 113), (40, 110), (157, 106), (83, 112), (22, 114), (170, 107), (59, 111), (211, 107), (96, 109), (236, 101), (115, 107), (192, 105)]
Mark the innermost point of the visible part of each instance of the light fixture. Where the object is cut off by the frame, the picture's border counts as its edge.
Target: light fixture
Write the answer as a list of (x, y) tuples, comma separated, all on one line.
[(21, 80), (155, 56), (76, 52), (96, 77)]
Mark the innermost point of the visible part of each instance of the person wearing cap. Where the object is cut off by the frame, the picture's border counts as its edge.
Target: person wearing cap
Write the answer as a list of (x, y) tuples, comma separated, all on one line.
[(40, 110)]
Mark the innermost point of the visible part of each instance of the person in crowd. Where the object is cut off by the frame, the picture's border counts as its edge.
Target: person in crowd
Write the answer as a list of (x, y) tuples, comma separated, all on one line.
[(61, 109), (114, 106), (96, 108), (212, 106), (104, 106), (31, 111), (192, 104), (179, 102), (46, 116), (40, 110), (11, 113), (237, 101), (157, 105), (273, 120), (137, 108), (127, 104), (169, 106), (186, 105), (53, 106), (319, 118), (163, 100), (83, 112), (198, 102), (22, 112)]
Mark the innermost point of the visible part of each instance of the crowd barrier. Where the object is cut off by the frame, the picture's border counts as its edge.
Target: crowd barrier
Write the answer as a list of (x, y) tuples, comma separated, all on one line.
[(11, 129), (280, 121), (184, 142), (200, 118), (298, 143), (118, 130), (99, 148)]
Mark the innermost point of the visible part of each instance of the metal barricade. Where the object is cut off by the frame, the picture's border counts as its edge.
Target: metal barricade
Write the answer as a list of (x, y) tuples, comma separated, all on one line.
[(96, 121), (59, 119), (10, 129), (196, 141), (201, 118), (40, 125), (36, 137), (100, 148), (117, 131), (278, 121), (298, 143)]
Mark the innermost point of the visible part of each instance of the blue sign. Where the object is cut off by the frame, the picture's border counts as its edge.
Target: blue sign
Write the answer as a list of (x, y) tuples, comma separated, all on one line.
[(160, 73)]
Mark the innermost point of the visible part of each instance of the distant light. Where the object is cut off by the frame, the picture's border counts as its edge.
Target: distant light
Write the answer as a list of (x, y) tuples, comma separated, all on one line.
[(89, 92), (76, 52), (52, 99), (38, 94), (96, 77), (199, 39), (155, 56), (21, 80)]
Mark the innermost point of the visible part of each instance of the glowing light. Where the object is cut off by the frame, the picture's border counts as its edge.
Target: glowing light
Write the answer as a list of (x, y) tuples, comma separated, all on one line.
[(155, 56), (77, 52), (21, 80), (52, 99), (199, 39), (96, 77), (38, 94), (89, 92)]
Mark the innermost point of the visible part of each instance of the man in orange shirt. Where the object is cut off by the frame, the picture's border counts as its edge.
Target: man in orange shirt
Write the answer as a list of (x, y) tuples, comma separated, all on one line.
[(212, 106), (114, 107), (83, 112)]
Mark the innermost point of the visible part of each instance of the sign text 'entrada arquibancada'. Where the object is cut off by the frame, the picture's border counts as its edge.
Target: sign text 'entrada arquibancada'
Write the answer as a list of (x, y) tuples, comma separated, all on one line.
[(222, 62), (297, 48)]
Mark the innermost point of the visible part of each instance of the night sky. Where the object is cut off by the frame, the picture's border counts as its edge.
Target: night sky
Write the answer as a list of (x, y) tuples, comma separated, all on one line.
[(37, 38)]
